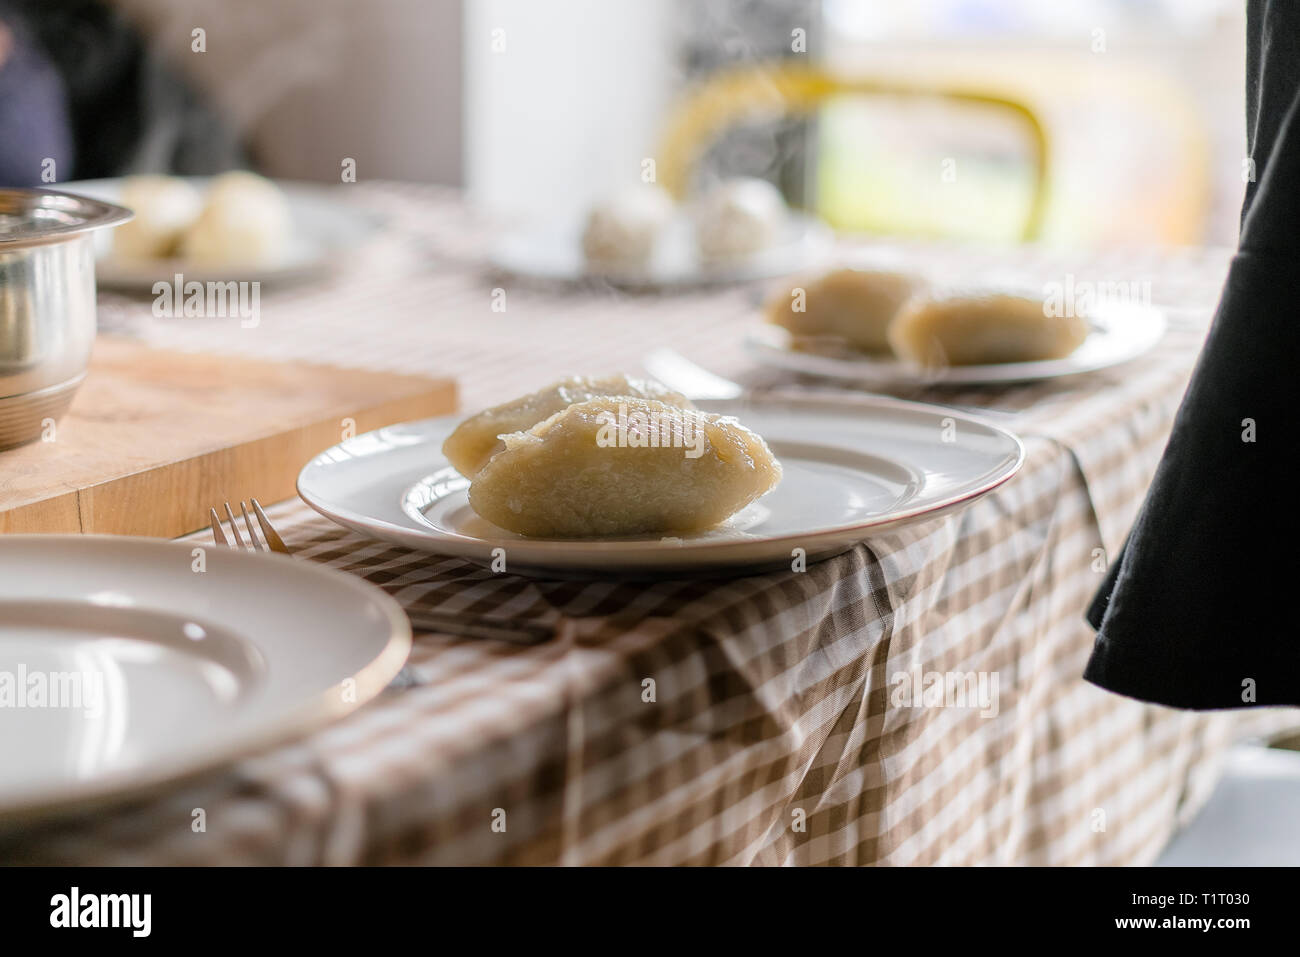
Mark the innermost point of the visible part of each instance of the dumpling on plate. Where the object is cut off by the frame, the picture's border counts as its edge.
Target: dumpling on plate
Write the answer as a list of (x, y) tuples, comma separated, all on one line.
[(245, 221), (977, 328), (623, 230), (623, 466), (738, 218), (165, 207), (852, 305), (477, 439)]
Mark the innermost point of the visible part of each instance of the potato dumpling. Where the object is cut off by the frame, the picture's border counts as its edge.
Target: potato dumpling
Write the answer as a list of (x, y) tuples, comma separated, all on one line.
[(477, 439), (855, 305), (738, 218), (982, 327), (165, 207), (622, 231), (245, 221), (623, 466)]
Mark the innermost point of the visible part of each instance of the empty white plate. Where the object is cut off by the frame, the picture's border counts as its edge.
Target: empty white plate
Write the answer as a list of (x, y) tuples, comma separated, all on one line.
[(129, 662), (555, 253), (1120, 332), (851, 468), (323, 228)]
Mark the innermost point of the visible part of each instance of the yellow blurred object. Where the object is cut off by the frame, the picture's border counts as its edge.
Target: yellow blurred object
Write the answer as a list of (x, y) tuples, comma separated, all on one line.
[(779, 89), (1089, 177)]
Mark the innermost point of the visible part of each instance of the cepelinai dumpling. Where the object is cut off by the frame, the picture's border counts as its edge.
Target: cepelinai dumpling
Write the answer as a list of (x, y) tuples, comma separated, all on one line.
[(623, 466), (982, 327), (738, 218), (855, 305), (477, 439), (245, 221), (623, 230), (164, 208)]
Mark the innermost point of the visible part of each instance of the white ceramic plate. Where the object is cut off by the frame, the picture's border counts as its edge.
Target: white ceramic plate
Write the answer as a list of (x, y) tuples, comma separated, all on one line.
[(852, 468), (1120, 332), (555, 253), (155, 670), (323, 228)]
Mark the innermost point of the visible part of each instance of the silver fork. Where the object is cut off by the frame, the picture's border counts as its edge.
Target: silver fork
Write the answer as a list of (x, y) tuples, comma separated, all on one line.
[(695, 382), (271, 539), (447, 623)]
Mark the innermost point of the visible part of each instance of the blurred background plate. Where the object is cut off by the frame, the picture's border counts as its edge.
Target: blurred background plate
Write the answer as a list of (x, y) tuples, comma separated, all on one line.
[(324, 228), (555, 253), (1119, 333)]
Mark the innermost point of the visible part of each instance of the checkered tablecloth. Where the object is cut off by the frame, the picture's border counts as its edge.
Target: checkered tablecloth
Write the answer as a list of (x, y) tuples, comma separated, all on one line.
[(749, 720)]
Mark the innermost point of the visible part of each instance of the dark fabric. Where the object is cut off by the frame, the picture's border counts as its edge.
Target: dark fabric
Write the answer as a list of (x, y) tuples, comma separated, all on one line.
[(128, 110), (1198, 611), (35, 125), (1272, 77)]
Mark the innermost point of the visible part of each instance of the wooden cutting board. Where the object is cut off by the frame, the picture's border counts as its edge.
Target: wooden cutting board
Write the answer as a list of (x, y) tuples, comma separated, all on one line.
[(154, 439)]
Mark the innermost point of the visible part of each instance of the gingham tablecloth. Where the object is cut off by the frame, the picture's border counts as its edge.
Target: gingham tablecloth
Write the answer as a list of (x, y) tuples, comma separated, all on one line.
[(753, 720)]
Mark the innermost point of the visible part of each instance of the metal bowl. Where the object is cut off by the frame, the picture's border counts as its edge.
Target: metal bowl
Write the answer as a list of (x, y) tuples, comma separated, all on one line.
[(47, 304)]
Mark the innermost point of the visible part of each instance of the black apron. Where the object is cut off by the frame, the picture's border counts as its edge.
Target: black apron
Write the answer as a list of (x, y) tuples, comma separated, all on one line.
[(1202, 608)]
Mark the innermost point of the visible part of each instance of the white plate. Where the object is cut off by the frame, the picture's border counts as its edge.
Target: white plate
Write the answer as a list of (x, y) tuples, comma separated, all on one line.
[(852, 468), (555, 253), (167, 670), (1119, 333), (323, 228)]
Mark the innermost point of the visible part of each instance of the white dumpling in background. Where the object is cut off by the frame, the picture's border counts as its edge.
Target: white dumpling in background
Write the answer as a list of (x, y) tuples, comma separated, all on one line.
[(673, 471), (852, 305), (738, 218), (477, 439), (980, 327), (623, 230), (245, 221), (165, 207)]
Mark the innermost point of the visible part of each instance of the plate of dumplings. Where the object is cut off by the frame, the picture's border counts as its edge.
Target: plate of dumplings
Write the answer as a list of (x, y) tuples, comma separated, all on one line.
[(235, 226), (739, 230), (887, 327), (611, 475)]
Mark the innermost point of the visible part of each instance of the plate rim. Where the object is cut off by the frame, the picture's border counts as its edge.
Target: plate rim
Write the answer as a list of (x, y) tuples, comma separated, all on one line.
[(702, 549), (310, 714)]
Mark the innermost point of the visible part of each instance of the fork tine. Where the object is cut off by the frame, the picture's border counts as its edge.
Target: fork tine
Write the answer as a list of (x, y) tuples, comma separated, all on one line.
[(273, 539), (234, 529), (218, 536), (248, 524)]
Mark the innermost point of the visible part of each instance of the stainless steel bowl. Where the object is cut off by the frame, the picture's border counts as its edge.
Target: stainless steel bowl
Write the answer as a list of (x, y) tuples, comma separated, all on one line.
[(47, 303)]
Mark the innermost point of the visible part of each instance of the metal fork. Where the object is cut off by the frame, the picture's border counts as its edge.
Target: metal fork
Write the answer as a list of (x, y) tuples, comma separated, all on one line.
[(447, 623), (695, 382), (271, 539)]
